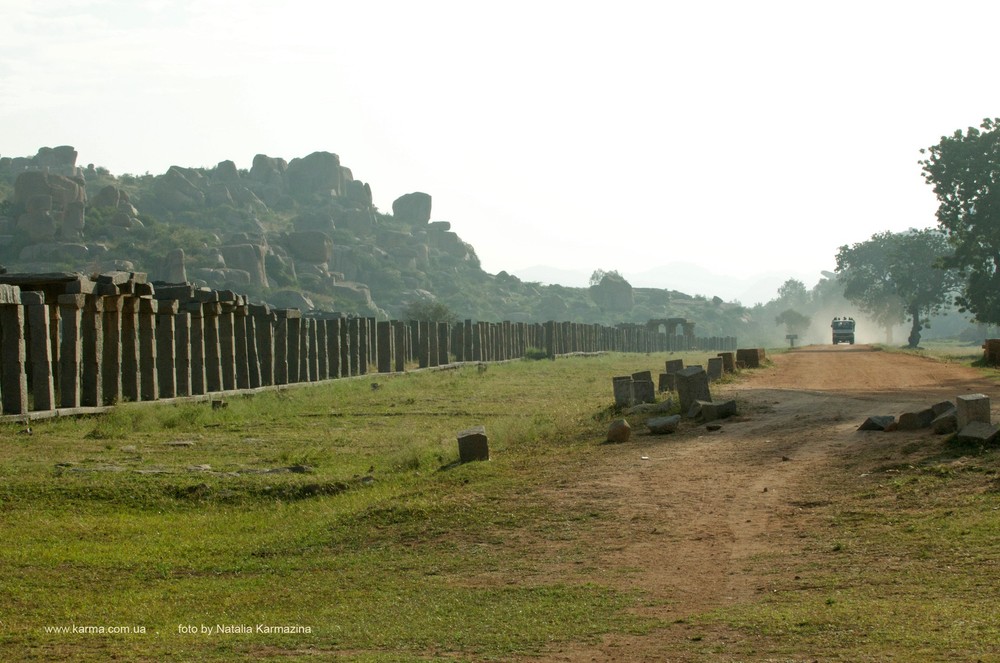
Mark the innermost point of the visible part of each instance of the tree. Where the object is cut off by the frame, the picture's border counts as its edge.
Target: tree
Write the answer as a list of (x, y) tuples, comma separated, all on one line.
[(964, 170), (895, 276), (429, 311), (793, 293), (795, 322)]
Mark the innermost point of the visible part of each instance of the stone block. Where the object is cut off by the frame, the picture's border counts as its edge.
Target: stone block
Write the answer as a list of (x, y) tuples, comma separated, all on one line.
[(915, 420), (622, 390), (977, 432), (662, 425), (692, 385), (728, 361), (946, 422), (714, 368), (473, 445), (713, 411), (643, 391), (10, 294), (879, 422), (972, 407), (750, 357), (619, 431)]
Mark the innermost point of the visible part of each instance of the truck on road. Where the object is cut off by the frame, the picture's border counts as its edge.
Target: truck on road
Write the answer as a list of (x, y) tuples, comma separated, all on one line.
[(843, 330)]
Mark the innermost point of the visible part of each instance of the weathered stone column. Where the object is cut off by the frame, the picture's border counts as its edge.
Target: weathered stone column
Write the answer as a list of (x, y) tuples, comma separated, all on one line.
[(364, 349), (71, 312), (345, 348), (241, 359), (372, 344), (399, 343), (264, 324), (467, 341), (92, 352), (14, 353), (354, 344), (333, 335), (385, 339), (182, 351), (253, 355), (322, 350), (149, 388), (550, 338), (227, 344), (199, 377), (130, 348), (443, 349), (294, 317), (111, 355), (281, 346), (211, 311), (312, 338), (37, 314), (166, 347)]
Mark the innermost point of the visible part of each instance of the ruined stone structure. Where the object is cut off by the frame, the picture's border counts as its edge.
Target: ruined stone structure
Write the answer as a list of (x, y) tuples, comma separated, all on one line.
[(71, 342)]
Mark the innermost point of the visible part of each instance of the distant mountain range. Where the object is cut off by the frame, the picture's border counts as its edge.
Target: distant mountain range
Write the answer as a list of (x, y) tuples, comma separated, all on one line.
[(682, 276)]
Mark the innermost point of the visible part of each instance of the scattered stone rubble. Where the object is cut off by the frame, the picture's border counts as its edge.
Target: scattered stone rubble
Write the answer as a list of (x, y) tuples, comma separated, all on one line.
[(968, 417)]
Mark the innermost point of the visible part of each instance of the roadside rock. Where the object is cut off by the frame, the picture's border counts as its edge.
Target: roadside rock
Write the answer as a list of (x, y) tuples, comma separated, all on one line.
[(619, 431)]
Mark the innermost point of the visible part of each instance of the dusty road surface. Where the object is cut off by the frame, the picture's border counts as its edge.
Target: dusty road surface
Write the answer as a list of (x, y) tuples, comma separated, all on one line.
[(692, 509)]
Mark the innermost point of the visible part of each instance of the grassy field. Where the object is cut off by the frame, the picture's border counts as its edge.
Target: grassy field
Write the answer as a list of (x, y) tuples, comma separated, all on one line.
[(335, 519), (335, 516)]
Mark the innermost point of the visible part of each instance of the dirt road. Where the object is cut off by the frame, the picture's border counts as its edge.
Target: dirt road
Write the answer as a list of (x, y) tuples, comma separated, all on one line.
[(692, 509)]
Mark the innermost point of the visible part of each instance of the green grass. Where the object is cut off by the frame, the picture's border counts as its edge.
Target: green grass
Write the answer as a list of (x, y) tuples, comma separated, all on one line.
[(340, 508)]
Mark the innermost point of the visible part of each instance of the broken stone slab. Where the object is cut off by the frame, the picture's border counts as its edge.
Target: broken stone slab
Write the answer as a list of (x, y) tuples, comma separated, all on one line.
[(622, 386), (710, 411), (915, 420), (643, 391), (942, 407), (972, 407), (977, 432), (619, 431), (946, 422), (879, 422), (715, 370), (662, 425), (649, 408), (473, 445)]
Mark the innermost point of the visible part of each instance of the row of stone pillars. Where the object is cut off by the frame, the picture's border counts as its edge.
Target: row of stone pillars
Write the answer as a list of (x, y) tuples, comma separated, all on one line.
[(97, 348)]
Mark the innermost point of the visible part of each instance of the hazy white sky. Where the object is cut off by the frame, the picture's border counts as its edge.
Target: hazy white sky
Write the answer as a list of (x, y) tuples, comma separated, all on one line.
[(741, 136)]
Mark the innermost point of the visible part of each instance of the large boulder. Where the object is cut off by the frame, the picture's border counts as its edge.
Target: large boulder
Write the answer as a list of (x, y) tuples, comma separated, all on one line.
[(315, 176), (249, 258), (613, 294), (176, 190), (310, 246), (49, 203), (413, 208)]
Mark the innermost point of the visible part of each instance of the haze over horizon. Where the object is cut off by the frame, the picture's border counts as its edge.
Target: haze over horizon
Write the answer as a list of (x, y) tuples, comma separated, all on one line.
[(743, 139)]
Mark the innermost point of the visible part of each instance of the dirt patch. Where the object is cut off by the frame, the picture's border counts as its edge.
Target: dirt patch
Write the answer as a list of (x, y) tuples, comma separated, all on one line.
[(692, 510)]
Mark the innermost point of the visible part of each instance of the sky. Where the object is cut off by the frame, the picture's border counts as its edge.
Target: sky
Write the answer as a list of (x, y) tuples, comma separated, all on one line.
[(729, 139)]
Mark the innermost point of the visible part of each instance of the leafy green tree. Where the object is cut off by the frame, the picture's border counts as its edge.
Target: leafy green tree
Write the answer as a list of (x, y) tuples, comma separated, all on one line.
[(964, 170), (793, 293), (795, 322), (894, 276)]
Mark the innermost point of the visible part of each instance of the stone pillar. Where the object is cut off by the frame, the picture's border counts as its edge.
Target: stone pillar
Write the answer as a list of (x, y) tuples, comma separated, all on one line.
[(550, 338), (443, 335), (294, 317), (71, 312), (199, 375), (166, 347), (182, 351), (354, 344), (263, 326), (213, 351), (42, 386), (253, 354), (14, 353), (313, 339), (399, 342), (305, 349), (281, 346), (364, 351), (728, 361), (715, 370), (130, 348), (467, 340), (385, 342), (91, 351), (111, 370), (345, 348), (241, 346), (333, 335), (322, 350), (149, 389), (227, 344)]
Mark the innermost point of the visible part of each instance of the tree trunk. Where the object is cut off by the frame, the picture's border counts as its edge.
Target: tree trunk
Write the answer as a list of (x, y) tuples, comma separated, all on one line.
[(914, 339)]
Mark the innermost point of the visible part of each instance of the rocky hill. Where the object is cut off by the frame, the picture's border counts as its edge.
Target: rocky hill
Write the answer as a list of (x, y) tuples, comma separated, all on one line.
[(301, 233)]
